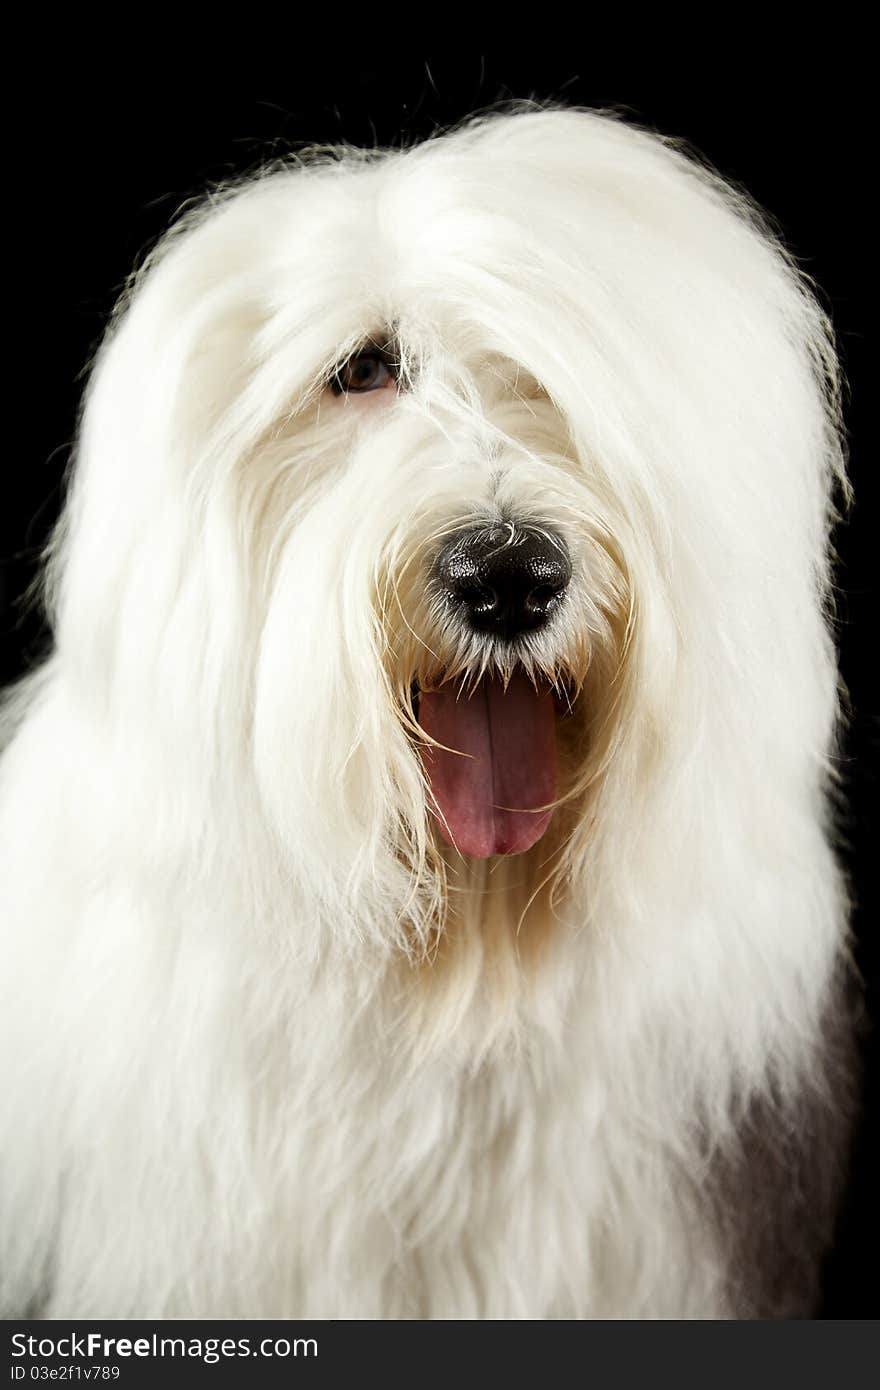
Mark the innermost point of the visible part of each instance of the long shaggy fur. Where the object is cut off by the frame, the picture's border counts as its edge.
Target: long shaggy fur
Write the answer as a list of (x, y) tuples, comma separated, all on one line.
[(273, 1048)]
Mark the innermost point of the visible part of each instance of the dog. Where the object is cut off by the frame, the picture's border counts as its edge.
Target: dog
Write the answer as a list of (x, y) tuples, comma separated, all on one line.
[(419, 894)]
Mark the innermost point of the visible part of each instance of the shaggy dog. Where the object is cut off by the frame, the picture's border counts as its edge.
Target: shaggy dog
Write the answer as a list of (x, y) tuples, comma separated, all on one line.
[(416, 880)]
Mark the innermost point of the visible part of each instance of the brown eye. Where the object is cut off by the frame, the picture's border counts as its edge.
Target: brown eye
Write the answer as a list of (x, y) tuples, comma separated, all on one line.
[(366, 371)]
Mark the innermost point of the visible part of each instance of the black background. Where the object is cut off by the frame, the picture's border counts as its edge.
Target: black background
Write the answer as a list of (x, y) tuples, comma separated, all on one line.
[(98, 168)]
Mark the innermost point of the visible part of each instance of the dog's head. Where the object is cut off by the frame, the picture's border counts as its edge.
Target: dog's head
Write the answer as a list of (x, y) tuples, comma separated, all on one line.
[(456, 500)]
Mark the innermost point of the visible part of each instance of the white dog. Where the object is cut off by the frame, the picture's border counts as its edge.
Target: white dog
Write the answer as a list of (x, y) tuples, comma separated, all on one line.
[(417, 897)]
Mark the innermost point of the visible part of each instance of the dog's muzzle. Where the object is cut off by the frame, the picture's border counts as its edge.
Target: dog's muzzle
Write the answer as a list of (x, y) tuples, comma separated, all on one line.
[(491, 763), (504, 580)]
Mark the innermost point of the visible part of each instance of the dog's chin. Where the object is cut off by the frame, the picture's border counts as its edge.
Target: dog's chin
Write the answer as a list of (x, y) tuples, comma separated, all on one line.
[(491, 757)]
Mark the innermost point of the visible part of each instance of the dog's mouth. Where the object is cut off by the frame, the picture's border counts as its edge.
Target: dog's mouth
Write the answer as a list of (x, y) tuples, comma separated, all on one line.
[(492, 767)]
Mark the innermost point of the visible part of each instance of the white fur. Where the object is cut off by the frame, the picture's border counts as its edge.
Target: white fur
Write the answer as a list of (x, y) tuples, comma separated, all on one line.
[(246, 1076)]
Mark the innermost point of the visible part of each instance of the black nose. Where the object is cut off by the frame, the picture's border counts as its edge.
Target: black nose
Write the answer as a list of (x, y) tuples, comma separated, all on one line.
[(504, 579)]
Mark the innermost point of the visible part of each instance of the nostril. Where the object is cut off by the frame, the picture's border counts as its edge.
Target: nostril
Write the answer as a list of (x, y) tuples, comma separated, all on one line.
[(543, 593), (476, 594), (541, 597)]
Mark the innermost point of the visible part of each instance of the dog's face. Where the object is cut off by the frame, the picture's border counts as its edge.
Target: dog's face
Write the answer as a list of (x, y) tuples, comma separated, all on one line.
[(496, 586), (458, 576), (499, 590), (429, 495)]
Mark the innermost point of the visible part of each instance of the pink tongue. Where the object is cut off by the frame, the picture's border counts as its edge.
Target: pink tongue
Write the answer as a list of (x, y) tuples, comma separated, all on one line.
[(487, 800)]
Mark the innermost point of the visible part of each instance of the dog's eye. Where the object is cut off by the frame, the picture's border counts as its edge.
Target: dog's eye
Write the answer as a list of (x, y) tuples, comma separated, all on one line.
[(366, 371)]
